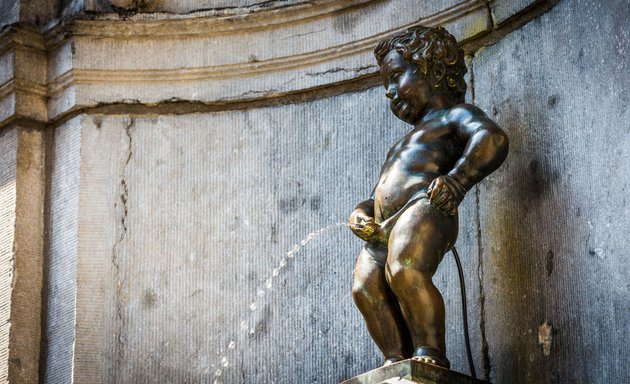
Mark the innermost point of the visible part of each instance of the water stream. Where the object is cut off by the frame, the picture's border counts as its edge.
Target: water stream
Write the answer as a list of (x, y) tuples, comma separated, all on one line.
[(262, 291)]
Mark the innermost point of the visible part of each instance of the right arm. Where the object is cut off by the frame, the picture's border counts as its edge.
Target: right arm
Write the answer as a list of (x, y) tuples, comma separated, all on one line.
[(361, 220)]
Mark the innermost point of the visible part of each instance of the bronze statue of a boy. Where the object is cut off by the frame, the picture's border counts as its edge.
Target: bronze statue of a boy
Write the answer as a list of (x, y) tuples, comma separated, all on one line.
[(410, 221)]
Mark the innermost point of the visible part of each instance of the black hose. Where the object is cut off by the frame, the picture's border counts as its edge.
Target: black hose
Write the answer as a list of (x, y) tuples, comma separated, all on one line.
[(464, 312)]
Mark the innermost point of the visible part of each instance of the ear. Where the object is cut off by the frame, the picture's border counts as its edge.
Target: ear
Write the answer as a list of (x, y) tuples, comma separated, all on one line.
[(451, 82), (438, 72)]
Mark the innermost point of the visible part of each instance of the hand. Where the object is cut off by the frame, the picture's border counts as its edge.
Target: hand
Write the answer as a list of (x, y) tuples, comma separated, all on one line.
[(445, 194), (362, 225)]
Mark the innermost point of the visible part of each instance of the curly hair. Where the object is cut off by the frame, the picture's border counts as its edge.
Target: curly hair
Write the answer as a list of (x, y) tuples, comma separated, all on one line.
[(435, 53)]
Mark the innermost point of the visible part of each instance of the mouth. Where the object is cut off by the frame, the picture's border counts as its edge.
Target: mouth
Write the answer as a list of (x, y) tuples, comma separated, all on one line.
[(397, 105), (400, 108)]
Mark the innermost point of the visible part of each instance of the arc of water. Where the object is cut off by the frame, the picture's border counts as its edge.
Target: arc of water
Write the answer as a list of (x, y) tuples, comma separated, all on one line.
[(267, 286)]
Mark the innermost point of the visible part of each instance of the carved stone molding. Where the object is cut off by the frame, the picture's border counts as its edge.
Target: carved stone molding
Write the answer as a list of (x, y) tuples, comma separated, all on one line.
[(237, 58), (214, 20), (23, 88), (219, 56), (194, 8)]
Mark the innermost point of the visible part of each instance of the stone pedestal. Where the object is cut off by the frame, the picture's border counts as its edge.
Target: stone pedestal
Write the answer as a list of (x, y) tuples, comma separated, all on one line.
[(413, 372)]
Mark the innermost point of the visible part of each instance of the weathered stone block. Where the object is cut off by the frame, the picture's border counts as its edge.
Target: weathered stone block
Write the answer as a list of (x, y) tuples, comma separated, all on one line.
[(412, 371)]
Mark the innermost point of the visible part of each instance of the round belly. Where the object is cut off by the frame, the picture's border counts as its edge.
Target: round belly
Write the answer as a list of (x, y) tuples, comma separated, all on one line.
[(394, 191)]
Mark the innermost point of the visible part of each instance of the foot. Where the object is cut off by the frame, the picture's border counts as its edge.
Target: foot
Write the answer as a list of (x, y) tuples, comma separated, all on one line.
[(433, 356), (392, 360)]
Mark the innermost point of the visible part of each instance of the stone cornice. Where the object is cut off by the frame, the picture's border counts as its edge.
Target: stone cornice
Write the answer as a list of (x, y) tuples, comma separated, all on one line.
[(21, 38), (256, 68), (237, 57), (23, 85), (227, 58), (209, 22)]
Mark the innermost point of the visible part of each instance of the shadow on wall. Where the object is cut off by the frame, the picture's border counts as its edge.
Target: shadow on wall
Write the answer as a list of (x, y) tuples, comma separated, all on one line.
[(520, 218), (552, 220)]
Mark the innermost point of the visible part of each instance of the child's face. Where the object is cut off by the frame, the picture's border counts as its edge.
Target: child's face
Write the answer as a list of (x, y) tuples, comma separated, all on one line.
[(409, 92)]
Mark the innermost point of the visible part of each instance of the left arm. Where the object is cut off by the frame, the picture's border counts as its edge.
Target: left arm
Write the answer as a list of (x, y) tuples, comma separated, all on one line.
[(486, 148)]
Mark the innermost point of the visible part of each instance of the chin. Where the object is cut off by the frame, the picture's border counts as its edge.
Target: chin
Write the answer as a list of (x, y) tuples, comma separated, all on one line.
[(411, 118), (416, 118)]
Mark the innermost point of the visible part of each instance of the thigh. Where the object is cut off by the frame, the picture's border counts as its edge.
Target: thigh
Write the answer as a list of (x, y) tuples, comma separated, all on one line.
[(421, 237), (369, 271)]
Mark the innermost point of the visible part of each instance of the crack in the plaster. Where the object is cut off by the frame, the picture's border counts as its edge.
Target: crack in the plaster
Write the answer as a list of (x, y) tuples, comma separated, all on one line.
[(485, 349), (491, 21), (340, 69), (121, 326), (261, 4), (140, 6), (252, 93), (123, 181), (304, 34)]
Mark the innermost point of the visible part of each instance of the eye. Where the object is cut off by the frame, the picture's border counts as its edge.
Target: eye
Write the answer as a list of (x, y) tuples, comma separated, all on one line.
[(395, 76)]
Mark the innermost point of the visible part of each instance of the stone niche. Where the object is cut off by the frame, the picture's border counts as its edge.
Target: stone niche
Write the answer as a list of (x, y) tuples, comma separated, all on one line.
[(173, 175)]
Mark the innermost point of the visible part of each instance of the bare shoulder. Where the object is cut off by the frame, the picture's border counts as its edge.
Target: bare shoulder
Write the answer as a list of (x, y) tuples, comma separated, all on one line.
[(464, 113), (470, 119)]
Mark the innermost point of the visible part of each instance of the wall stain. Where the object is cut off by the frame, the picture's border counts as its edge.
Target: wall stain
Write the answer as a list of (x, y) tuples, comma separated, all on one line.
[(273, 233), (545, 337), (549, 265), (150, 298), (316, 203)]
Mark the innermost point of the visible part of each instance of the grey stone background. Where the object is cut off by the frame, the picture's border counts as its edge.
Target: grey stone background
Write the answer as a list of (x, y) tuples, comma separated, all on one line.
[(554, 219), (165, 225), (204, 207)]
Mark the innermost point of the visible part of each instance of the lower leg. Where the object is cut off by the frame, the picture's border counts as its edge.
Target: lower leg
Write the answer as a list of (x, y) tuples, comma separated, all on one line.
[(422, 307), (379, 306), (386, 325)]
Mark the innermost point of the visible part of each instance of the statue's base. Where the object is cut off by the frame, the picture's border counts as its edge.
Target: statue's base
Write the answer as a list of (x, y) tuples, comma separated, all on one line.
[(413, 372)]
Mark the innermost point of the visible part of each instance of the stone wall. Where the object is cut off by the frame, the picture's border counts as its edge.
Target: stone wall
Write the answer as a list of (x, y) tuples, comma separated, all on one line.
[(239, 193), (184, 226), (200, 156), (554, 218)]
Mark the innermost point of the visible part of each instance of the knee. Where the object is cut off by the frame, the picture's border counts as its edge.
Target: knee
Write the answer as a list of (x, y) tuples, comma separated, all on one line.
[(365, 296), (360, 294)]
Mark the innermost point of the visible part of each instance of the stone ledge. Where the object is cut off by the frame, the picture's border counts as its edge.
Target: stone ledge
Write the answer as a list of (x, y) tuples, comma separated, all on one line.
[(263, 55), (276, 54), (150, 9), (23, 88)]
